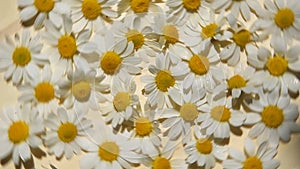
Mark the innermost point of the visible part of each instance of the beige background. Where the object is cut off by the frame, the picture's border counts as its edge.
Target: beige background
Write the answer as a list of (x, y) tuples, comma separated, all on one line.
[(288, 154)]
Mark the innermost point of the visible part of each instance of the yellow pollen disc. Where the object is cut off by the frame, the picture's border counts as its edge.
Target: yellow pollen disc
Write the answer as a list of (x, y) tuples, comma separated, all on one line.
[(277, 65), (272, 116), (143, 126), (67, 132), (284, 18), (110, 62), (236, 81), (220, 113), (164, 80), (121, 101), (161, 163), (18, 132), (91, 9), (188, 112), (139, 6), (209, 30), (136, 37), (199, 64), (44, 5), (67, 46), (170, 33), (44, 92), (204, 146), (252, 163), (81, 91), (242, 38), (21, 56), (108, 151), (191, 5)]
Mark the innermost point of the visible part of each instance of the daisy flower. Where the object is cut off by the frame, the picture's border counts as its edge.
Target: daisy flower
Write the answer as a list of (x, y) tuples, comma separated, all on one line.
[(66, 132), (20, 129), (21, 57), (65, 46), (204, 151), (274, 119), (83, 89), (159, 86), (42, 92), (92, 14), (277, 68), (41, 10), (199, 69), (262, 157), (120, 106), (219, 116), (109, 151)]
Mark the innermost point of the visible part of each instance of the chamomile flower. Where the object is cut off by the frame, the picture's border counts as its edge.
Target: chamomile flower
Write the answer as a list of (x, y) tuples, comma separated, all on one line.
[(42, 92), (120, 106), (83, 89), (92, 14), (276, 120), (20, 128), (204, 151), (260, 157), (41, 10), (21, 57), (218, 116), (66, 132), (277, 68)]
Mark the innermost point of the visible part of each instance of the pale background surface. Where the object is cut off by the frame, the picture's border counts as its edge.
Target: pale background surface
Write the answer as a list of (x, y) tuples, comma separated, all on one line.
[(288, 154)]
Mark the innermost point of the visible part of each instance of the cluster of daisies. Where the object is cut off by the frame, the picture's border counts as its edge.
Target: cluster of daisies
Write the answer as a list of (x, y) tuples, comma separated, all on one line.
[(161, 74)]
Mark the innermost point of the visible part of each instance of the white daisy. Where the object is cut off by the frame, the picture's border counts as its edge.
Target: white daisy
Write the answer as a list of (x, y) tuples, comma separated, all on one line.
[(262, 157), (20, 130), (66, 132), (204, 151), (273, 117), (120, 106), (20, 57), (41, 10), (42, 92)]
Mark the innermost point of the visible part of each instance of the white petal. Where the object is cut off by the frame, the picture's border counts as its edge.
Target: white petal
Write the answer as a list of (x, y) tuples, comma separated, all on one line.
[(27, 13), (249, 147)]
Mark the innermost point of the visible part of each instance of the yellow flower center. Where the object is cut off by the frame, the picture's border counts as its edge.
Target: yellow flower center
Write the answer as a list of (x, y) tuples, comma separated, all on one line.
[(44, 5), (67, 132), (284, 18), (188, 112), (199, 64), (91, 9), (242, 38), (21, 56), (252, 163), (143, 126), (67, 46), (164, 80), (161, 163), (209, 30), (136, 37), (139, 6), (236, 81), (277, 65), (18, 132), (191, 5), (81, 91), (204, 146), (220, 113), (110, 62), (108, 151), (170, 33), (44, 92), (272, 116), (121, 101)]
